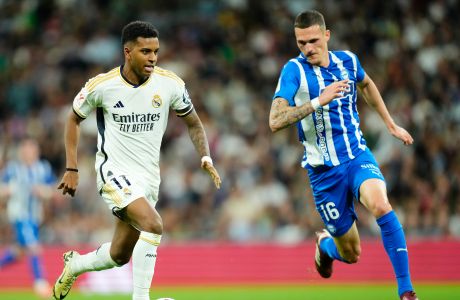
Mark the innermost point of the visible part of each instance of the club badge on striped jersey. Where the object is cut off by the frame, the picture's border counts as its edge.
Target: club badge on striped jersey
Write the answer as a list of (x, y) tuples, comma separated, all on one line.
[(156, 101)]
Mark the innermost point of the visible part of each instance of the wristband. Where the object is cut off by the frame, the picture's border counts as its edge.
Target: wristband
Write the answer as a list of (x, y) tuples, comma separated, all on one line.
[(315, 103), (206, 158), (71, 170)]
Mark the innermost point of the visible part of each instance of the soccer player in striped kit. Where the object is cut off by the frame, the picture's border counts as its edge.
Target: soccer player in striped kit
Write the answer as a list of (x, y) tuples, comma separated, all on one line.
[(132, 103), (317, 91), (27, 182)]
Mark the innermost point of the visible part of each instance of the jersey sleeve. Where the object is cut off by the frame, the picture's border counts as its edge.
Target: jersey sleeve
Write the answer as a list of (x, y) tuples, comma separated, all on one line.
[(182, 104), (48, 177), (288, 83), (360, 73), (6, 174), (86, 101)]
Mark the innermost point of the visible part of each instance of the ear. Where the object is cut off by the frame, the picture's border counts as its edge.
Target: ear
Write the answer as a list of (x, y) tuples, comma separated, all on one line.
[(327, 34), (127, 52)]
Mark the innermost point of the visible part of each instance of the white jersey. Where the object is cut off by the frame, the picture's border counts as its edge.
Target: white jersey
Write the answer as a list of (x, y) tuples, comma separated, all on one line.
[(131, 121)]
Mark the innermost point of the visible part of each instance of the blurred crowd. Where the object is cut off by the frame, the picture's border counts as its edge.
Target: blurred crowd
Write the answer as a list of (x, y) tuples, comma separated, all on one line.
[(230, 54)]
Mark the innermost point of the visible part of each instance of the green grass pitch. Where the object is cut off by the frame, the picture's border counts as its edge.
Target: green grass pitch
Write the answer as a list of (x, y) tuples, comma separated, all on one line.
[(269, 292)]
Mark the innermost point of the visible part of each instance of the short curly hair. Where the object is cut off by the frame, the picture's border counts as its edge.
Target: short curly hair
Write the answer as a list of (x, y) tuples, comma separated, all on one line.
[(136, 29)]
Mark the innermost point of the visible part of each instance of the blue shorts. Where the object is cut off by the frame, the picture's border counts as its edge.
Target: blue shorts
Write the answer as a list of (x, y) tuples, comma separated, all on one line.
[(26, 233), (334, 190)]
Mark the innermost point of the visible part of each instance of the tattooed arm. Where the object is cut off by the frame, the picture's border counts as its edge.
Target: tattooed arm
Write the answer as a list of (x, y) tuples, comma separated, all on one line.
[(197, 134), (282, 115), (200, 141)]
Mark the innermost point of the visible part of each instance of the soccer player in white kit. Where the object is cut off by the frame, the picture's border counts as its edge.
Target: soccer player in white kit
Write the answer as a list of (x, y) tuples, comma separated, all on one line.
[(132, 104)]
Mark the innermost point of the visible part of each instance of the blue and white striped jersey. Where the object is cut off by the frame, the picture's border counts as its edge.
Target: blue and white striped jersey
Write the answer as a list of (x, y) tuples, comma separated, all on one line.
[(331, 135), (20, 178)]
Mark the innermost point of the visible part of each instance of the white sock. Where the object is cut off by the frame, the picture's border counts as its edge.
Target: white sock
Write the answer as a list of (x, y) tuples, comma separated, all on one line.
[(97, 260), (144, 258)]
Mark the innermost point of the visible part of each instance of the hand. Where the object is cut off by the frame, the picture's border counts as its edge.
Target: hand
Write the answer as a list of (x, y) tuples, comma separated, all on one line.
[(208, 167), (333, 91), (402, 134), (69, 183)]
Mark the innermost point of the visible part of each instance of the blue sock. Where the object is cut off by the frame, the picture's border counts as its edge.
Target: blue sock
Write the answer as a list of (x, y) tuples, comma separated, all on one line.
[(7, 258), (327, 245), (396, 248), (36, 267)]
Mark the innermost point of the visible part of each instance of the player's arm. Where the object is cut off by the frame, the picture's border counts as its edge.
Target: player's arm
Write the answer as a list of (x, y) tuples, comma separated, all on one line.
[(69, 181), (282, 115), (43, 191), (46, 189), (200, 141), (5, 191), (373, 97)]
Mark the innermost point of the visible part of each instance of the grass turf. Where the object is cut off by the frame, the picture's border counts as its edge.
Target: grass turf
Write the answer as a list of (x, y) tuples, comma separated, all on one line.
[(269, 292)]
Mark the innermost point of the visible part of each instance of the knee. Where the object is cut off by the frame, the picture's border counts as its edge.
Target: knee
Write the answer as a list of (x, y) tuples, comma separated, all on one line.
[(381, 208), (33, 250), (350, 254), (153, 225)]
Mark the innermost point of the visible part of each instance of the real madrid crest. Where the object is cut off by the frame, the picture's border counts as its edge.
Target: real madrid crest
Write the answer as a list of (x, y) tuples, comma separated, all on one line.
[(156, 101), (127, 191)]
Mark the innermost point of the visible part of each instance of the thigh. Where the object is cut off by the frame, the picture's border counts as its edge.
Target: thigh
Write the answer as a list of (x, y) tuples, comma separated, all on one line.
[(141, 214), (368, 184), (363, 168), (120, 190), (334, 200), (374, 197)]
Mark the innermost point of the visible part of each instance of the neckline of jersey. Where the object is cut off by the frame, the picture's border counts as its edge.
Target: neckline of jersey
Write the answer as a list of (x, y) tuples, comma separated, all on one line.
[(129, 82)]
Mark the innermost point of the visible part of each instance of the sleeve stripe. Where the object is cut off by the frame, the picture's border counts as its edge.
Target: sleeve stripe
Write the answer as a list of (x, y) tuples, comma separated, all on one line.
[(91, 85), (184, 112), (78, 113), (169, 74)]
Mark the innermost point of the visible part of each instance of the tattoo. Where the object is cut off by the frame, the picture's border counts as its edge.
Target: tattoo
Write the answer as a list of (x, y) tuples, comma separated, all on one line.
[(199, 140), (282, 115), (197, 133)]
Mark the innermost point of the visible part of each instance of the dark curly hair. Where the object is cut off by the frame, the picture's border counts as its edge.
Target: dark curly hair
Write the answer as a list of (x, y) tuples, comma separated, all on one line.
[(136, 29)]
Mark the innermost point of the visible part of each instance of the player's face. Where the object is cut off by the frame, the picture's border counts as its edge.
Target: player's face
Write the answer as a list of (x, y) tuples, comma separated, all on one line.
[(142, 56), (312, 41), (28, 151)]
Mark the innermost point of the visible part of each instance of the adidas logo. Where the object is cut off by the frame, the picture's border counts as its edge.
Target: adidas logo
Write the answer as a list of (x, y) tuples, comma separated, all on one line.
[(118, 105)]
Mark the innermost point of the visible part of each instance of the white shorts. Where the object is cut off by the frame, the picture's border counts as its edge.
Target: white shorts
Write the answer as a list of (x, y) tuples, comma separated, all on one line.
[(120, 190)]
